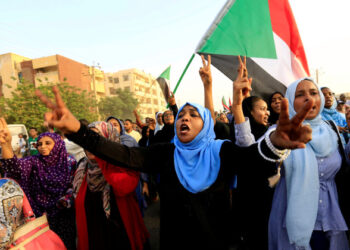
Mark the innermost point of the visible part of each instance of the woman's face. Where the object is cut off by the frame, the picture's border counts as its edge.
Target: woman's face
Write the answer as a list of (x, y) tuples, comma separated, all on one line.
[(159, 119), (328, 98), (260, 112), (115, 124), (188, 125), (276, 102), (168, 117), (305, 91), (45, 145), (223, 118)]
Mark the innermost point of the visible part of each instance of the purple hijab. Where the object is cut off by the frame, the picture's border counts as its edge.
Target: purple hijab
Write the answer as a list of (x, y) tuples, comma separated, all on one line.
[(44, 179)]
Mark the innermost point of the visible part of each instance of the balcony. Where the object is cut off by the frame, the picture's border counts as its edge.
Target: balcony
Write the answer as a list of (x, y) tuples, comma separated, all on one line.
[(44, 62)]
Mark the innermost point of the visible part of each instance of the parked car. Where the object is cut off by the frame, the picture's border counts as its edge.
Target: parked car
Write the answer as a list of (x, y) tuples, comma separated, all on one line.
[(16, 129)]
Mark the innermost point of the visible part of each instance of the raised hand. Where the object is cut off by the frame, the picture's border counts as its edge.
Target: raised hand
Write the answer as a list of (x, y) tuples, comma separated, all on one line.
[(5, 135), (242, 84), (59, 117), (291, 133), (171, 99), (205, 72), (152, 124)]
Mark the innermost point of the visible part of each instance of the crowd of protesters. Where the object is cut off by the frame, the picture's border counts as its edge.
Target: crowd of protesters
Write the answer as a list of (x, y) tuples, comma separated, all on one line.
[(267, 174)]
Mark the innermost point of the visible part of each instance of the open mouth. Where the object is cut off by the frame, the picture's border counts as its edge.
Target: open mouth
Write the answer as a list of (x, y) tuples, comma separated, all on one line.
[(184, 129)]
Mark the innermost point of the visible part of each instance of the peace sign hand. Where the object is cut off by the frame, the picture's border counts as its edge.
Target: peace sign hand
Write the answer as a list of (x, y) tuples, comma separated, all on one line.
[(242, 85), (205, 72), (5, 135), (59, 116), (291, 133)]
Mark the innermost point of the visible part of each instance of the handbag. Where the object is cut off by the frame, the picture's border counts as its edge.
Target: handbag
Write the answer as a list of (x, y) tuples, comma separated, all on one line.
[(35, 233)]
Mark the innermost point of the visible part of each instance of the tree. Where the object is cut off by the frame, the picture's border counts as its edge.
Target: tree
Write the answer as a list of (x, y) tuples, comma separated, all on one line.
[(25, 107), (120, 106)]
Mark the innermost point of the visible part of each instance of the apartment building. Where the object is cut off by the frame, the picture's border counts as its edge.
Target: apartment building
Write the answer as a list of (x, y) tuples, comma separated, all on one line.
[(144, 87), (10, 73), (57, 68)]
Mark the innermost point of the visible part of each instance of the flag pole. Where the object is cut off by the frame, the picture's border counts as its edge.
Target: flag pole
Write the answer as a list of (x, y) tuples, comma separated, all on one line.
[(182, 75)]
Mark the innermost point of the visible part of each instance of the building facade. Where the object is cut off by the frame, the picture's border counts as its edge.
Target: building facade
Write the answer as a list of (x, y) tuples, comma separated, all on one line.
[(10, 73), (144, 87), (57, 68)]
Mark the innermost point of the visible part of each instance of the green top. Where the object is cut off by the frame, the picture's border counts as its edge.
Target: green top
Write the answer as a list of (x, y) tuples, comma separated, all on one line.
[(32, 146)]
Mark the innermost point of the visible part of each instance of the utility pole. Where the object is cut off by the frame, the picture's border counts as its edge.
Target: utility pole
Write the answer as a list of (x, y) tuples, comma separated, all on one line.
[(317, 76), (94, 84)]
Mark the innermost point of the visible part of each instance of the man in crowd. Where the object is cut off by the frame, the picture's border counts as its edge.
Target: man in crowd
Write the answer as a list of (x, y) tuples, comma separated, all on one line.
[(128, 125), (33, 137)]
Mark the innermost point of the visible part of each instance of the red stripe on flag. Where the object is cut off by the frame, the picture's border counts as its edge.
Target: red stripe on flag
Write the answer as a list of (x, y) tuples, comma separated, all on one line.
[(284, 25)]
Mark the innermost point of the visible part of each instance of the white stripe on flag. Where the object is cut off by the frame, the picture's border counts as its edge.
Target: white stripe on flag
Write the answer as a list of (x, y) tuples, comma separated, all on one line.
[(286, 68)]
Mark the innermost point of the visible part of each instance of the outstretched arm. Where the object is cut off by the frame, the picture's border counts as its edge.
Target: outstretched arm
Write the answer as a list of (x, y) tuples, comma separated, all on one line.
[(138, 120), (205, 74), (290, 133)]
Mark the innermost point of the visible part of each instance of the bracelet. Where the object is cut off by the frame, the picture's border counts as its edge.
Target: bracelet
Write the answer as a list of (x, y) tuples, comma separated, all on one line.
[(264, 156), (281, 154)]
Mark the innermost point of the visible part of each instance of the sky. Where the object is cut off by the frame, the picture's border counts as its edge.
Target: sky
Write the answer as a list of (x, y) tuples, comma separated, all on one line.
[(151, 35)]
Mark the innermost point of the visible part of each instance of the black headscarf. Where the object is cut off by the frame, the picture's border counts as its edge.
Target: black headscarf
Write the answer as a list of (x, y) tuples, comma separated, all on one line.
[(166, 134), (257, 129), (273, 118), (143, 142)]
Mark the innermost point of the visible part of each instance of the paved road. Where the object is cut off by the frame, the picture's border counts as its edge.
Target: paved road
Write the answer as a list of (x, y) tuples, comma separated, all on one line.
[(152, 223)]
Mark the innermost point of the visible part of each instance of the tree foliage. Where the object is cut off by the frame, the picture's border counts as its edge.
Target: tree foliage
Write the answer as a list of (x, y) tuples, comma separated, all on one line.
[(120, 106), (25, 107)]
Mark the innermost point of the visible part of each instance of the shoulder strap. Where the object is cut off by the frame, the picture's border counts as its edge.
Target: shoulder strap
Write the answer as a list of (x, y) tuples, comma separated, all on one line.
[(341, 146)]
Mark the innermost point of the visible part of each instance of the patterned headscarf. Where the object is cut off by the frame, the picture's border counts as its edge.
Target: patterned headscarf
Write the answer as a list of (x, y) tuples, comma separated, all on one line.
[(11, 216), (94, 177), (51, 176)]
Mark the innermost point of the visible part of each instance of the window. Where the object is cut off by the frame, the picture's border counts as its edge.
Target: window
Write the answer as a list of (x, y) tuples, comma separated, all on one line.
[(148, 100), (155, 101), (148, 91), (149, 111), (154, 92), (112, 91), (127, 88), (116, 80), (125, 77), (110, 79), (20, 77)]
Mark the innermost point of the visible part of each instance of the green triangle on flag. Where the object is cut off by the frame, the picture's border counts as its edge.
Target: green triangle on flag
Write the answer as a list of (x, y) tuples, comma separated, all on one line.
[(166, 74), (244, 28)]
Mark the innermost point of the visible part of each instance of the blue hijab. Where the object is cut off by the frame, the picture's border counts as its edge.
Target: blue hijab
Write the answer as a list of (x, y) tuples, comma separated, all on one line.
[(301, 173), (197, 163), (333, 114)]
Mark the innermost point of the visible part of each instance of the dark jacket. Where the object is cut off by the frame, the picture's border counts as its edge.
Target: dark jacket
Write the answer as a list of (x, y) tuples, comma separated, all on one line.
[(188, 221)]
